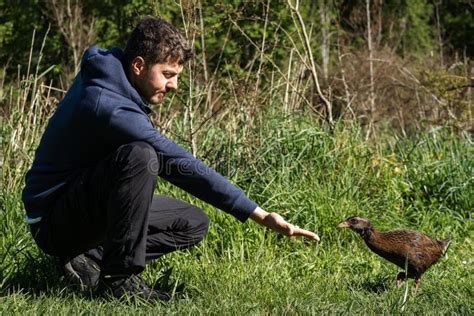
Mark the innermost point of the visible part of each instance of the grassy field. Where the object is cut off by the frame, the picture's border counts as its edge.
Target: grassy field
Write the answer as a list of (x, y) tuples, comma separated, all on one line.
[(314, 177)]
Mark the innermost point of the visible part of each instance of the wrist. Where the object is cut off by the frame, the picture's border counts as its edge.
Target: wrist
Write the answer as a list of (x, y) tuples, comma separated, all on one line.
[(258, 215)]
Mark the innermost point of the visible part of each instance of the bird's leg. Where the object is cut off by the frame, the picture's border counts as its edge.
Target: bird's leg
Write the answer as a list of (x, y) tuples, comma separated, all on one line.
[(417, 283), (400, 278)]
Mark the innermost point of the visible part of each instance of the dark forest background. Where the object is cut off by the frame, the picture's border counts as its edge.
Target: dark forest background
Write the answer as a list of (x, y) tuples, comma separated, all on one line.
[(383, 63)]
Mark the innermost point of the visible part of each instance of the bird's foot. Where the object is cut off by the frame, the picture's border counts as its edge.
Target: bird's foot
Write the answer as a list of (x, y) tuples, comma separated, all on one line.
[(417, 284), (400, 278)]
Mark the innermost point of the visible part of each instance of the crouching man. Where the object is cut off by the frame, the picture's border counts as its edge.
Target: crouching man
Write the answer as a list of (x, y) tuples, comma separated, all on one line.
[(89, 195)]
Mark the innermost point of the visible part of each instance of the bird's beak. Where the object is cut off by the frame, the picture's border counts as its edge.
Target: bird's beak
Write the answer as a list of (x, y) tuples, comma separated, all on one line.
[(343, 224)]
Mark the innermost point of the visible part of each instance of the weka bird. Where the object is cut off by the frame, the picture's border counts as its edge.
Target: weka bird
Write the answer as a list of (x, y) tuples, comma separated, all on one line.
[(400, 247)]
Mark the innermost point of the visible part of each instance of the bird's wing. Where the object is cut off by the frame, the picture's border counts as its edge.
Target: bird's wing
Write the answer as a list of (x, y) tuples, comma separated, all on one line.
[(421, 250)]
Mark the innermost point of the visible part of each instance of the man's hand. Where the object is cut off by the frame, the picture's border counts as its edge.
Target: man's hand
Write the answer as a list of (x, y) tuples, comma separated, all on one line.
[(278, 224)]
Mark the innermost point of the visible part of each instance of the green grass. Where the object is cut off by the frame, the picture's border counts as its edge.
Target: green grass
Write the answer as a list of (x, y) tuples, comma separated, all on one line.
[(315, 178)]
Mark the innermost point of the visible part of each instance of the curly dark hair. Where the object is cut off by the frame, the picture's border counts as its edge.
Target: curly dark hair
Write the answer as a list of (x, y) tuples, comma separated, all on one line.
[(157, 41)]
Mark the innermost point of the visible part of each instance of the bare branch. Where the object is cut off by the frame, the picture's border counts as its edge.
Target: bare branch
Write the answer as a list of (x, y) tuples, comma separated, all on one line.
[(295, 11)]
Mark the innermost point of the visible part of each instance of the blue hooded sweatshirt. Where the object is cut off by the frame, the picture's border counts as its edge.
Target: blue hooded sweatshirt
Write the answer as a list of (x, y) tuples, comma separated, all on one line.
[(100, 112)]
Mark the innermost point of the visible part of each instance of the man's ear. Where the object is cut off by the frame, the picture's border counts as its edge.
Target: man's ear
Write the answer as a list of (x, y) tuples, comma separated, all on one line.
[(138, 65)]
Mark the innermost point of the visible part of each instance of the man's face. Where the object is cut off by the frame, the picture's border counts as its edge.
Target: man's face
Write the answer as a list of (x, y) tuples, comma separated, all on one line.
[(154, 80)]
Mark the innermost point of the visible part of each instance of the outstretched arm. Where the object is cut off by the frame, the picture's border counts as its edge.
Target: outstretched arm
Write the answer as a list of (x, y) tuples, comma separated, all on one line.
[(278, 224)]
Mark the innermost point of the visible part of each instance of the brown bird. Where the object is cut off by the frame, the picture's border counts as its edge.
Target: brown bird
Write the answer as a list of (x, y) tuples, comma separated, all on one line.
[(402, 247)]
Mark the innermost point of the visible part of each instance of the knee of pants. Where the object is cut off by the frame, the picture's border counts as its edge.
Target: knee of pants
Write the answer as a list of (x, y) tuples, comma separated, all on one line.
[(199, 224), (204, 222), (138, 155)]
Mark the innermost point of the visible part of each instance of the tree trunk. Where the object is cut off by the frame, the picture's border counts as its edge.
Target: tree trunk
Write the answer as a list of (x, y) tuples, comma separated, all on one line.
[(371, 63), (323, 14)]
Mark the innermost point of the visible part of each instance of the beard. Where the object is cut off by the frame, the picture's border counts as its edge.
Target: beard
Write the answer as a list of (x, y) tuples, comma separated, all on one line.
[(156, 98)]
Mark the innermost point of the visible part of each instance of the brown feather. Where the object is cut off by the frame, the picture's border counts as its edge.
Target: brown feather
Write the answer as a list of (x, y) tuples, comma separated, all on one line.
[(397, 246)]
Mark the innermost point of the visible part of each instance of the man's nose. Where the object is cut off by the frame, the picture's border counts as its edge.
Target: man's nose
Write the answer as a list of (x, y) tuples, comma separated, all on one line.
[(172, 84)]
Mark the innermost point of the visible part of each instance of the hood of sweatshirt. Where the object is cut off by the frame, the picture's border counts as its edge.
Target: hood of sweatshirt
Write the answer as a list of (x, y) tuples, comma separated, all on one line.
[(103, 68)]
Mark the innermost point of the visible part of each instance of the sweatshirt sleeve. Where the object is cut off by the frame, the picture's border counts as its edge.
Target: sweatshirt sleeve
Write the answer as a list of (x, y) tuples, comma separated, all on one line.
[(127, 123)]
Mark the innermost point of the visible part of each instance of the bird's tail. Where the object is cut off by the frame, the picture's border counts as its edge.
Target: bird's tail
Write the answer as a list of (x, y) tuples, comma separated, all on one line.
[(445, 243)]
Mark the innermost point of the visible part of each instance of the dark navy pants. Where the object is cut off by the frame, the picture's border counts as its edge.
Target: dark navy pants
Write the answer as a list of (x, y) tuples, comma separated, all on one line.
[(110, 213)]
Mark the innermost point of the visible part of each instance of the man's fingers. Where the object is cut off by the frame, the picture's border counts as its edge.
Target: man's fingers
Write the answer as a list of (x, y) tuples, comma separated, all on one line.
[(295, 230), (279, 224), (305, 233)]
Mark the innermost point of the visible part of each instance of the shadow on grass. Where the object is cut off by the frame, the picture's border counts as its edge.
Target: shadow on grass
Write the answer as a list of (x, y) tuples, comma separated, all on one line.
[(377, 284), (165, 282), (39, 275), (36, 275)]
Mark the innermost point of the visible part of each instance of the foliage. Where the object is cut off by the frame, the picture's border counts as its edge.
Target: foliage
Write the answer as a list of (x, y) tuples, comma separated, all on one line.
[(396, 21), (419, 35), (402, 25), (451, 88), (458, 22), (18, 20)]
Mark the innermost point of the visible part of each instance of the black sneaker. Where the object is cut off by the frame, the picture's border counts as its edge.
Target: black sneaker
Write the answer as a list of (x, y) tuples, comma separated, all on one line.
[(81, 271), (123, 286)]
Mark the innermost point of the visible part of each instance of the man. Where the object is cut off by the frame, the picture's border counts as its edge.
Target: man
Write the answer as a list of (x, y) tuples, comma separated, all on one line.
[(89, 193)]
